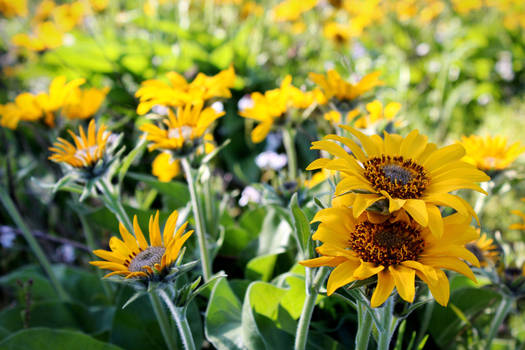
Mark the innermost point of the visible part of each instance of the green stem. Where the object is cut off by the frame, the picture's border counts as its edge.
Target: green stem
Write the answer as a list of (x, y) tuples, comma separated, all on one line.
[(199, 224), (32, 242), (113, 203), (208, 207), (179, 315), (163, 320), (384, 335), (289, 146), (364, 327), (301, 335), (427, 316), (501, 313)]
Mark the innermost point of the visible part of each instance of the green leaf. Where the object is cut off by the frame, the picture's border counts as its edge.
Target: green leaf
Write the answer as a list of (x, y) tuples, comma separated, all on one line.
[(261, 267), (301, 226), (222, 326), (447, 322), (177, 191), (53, 339)]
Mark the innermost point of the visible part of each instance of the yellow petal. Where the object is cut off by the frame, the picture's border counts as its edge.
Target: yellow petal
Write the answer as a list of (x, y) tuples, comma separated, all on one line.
[(418, 210), (341, 275), (404, 278), (366, 270), (385, 285), (435, 221)]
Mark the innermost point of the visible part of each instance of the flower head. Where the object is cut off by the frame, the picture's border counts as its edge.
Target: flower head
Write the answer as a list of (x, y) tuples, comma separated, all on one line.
[(491, 153), (24, 108), (82, 104), (90, 154), (521, 225), (396, 250), (184, 131), (334, 86), (46, 36), (12, 8), (291, 10), (179, 92), (377, 113), (484, 249), (399, 173), (59, 92), (134, 257)]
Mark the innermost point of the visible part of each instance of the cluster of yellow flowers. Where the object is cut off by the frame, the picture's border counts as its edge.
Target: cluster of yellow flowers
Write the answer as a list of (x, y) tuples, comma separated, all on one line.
[(385, 218), (183, 130), (69, 98), (347, 19), (49, 21)]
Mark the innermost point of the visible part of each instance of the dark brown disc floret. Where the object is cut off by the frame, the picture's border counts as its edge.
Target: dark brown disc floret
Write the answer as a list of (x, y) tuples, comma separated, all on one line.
[(399, 177)]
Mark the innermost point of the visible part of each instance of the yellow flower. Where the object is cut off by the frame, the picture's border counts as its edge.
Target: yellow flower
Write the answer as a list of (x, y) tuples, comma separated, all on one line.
[(291, 10), (398, 172), (179, 92), (340, 33), (484, 249), (164, 167), (82, 104), (491, 153), (251, 8), (377, 114), (99, 5), (87, 151), (13, 8), (334, 86), (317, 178), (521, 225), (395, 250), (45, 37), (25, 108), (59, 91), (466, 6), (133, 257), (335, 117), (68, 16), (272, 105), (183, 132), (43, 11)]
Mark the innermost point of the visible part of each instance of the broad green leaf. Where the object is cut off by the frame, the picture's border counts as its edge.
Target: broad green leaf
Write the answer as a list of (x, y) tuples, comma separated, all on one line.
[(301, 226), (53, 339), (176, 190), (261, 267), (223, 326)]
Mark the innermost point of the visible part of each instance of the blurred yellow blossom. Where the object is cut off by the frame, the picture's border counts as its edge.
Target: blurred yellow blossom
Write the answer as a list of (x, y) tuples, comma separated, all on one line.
[(13, 8), (291, 10), (24, 108), (82, 104), (45, 36), (340, 33), (491, 153), (334, 86), (99, 5), (377, 114), (164, 167), (59, 91)]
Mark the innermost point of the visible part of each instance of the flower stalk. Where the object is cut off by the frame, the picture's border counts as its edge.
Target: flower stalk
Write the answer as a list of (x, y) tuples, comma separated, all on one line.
[(501, 313), (301, 335), (364, 326), (199, 222), (33, 243), (163, 320), (179, 315), (289, 146)]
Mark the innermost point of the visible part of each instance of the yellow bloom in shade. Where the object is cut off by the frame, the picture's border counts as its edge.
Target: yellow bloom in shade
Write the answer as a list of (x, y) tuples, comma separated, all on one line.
[(43, 11), (491, 153), (334, 86), (88, 149), (45, 37), (24, 108), (165, 168), (270, 107), (134, 257), (57, 96), (13, 8), (521, 225), (291, 10), (68, 16), (82, 104), (98, 5), (377, 113), (183, 131), (340, 33), (400, 173), (395, 250), (179, 92), (484, 249)]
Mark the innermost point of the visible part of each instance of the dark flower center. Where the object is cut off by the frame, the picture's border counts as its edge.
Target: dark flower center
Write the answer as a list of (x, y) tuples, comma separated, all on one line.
[(387, 243), (399, 177), (148, 257)]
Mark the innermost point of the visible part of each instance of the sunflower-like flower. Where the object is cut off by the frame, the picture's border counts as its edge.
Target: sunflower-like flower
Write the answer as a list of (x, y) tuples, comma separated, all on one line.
[(484, 249), (13, 8), (59, 92), (91, 153), (184, 131), (83, 104), (334, 86), (396, 250), (46, 36), (491, 153), (377, 113), (179, 92), (291, 10), (270, 108), (134, 257), (400, 173), (341, 33), (24, 108)]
